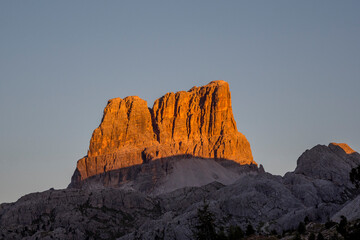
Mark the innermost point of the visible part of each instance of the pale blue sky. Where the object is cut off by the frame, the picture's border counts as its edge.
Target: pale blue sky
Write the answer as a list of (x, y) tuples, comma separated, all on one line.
[(293, 69)]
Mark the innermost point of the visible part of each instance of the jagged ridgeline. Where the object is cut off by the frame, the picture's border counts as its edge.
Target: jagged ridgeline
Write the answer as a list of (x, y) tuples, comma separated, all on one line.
[(197, 123)]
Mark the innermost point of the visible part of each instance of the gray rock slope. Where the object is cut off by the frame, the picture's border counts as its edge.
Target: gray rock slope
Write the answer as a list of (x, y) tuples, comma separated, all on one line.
[(168, 174), (160, 200)]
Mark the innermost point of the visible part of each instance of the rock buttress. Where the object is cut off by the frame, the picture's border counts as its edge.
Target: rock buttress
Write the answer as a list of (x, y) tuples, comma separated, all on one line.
[(197, 123)]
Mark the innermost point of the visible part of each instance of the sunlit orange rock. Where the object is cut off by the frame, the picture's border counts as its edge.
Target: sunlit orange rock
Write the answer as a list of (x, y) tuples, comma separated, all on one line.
[(347, 149), (197, 123)]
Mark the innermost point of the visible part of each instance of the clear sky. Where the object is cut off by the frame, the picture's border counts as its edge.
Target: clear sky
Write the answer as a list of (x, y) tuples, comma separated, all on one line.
[(293, 69)]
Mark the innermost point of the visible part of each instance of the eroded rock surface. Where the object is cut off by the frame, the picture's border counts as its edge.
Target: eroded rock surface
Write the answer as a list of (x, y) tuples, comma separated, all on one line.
[(267, 202), (167, 174), (197, 123), (332, 162)]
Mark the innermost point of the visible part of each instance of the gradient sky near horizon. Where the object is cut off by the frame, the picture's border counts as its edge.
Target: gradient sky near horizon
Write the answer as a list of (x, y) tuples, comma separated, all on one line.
[(293, 69)]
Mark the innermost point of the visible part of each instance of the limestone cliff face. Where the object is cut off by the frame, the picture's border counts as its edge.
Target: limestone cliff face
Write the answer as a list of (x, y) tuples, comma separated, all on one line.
[(200, 122), (126, 123), (197, 123)]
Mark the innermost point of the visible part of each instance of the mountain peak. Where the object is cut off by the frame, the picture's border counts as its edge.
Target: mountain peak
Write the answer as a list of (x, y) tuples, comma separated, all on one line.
[(197, 123)]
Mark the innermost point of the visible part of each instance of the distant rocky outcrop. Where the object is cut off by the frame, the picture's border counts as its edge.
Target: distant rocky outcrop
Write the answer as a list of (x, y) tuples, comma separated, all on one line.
[(197, 123), (332, 163)]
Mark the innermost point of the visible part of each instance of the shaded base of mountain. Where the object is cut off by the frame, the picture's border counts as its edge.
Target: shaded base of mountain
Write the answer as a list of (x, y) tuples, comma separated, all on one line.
[(168, 174), (319, 189), (117, 213)]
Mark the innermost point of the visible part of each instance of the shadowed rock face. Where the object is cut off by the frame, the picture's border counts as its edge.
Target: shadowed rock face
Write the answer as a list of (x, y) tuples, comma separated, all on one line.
[(319, 189), (199, 123), (167, 174)]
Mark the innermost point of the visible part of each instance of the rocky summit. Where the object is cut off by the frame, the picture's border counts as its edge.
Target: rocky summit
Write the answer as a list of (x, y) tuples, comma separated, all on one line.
[(196, 123)]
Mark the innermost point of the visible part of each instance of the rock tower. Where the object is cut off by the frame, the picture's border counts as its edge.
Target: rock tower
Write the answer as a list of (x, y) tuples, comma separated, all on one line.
[(197, 123)]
